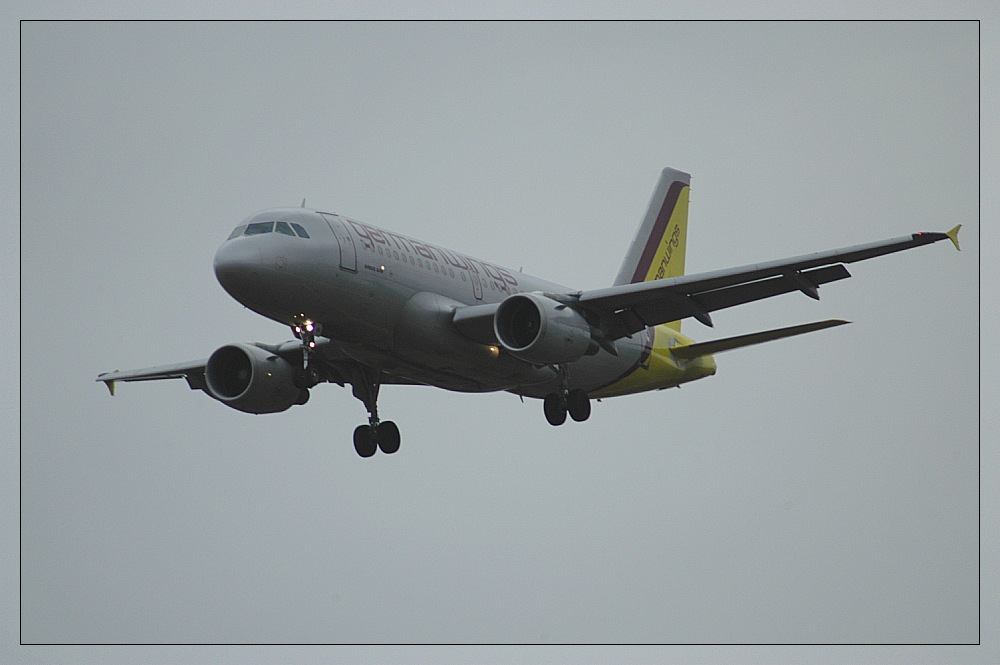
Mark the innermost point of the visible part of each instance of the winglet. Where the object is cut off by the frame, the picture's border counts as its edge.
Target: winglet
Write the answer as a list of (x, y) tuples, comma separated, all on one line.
[(953, 237), (110, 383)]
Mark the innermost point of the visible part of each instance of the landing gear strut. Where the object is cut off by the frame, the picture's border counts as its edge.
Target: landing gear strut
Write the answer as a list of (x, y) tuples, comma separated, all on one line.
[(375, 435), (574, 402), (310, 374)]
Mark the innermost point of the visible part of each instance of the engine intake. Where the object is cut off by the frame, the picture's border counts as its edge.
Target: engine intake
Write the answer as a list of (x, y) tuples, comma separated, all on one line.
[(253, 380), (540, 330)]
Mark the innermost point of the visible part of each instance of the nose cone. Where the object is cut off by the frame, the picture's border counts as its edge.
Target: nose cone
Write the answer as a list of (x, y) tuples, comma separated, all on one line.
[(237, 266)]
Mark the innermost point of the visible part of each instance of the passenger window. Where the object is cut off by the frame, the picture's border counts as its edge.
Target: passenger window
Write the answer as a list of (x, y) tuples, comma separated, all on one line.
[(238, 231), (301, 231), (283, 227), (259, 228), (463, 276), (395, 255)]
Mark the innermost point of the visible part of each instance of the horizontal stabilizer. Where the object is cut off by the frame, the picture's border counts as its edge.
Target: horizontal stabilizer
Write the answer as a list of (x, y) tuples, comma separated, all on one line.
[(717, 346)]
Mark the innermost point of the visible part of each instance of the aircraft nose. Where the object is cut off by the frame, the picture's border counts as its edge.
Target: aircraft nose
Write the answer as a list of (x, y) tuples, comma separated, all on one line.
[(237, 264)]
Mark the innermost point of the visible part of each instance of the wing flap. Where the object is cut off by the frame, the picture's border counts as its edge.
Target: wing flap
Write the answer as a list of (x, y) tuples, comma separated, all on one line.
[(773, 286)]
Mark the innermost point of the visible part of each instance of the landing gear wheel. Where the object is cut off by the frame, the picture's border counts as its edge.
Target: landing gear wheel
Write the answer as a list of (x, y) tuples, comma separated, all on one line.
[(579, 405), (388, 437), (555, 409), (365, 440)]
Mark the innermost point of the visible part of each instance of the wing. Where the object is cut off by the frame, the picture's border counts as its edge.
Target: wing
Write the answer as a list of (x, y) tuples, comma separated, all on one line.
[(630, 308), (619, 311), (193, 371)]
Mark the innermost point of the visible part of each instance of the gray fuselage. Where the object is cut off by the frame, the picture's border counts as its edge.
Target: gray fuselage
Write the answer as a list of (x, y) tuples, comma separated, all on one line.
[(387, 301)]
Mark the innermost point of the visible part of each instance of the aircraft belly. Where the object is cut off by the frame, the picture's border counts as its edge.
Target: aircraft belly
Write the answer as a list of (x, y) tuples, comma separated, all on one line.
[(426, 341), (450, 374), (380, 322)]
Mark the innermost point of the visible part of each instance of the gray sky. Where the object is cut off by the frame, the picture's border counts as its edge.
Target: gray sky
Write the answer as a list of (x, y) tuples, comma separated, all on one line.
[(819, 489)]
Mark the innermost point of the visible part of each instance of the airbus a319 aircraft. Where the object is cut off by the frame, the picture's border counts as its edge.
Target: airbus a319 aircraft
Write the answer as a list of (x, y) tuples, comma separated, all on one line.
[(369, 308)]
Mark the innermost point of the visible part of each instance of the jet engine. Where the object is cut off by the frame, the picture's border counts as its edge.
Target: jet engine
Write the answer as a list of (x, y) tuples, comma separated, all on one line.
[(253, 380), (541, 331)]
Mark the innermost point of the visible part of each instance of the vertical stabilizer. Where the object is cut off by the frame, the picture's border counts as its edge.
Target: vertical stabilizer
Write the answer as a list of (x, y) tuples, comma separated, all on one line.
[(657, 252)]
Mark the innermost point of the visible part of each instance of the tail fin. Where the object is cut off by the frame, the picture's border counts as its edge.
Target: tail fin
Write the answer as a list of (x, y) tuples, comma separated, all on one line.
[(657, 251)]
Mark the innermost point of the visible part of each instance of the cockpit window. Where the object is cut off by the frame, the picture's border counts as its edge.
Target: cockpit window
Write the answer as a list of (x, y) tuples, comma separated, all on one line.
[(259, 228)]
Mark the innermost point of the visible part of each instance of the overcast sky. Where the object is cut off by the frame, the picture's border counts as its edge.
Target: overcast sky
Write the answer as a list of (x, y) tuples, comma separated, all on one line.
[(822, 489)]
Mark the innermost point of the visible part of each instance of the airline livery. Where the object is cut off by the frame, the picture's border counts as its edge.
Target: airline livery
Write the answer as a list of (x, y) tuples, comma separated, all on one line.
[(369, 307)]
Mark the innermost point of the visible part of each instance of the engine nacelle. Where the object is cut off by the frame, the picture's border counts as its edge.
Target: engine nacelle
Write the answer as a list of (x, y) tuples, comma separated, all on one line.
[(253, 380), (542, 331)]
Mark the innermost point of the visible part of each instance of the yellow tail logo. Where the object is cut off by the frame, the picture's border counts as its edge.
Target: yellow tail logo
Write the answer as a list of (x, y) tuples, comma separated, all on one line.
[(657, 251), (667, 259)]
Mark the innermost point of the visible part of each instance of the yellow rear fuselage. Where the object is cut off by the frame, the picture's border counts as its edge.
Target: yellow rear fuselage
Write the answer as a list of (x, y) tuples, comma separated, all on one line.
[(660, 369)]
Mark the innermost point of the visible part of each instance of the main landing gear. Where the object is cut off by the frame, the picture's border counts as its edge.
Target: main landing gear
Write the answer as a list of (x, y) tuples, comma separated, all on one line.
[(574, 402), (376, 435)]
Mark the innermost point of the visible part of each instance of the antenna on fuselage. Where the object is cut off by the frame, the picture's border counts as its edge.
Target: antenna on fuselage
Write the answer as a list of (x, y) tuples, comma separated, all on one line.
[(303, 202)]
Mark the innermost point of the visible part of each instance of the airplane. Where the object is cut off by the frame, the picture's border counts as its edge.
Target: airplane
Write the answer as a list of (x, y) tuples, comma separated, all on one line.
[(368, 307)]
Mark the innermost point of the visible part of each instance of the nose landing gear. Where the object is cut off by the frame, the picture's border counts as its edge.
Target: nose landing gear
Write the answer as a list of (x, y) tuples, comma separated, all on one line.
[(310, 374)]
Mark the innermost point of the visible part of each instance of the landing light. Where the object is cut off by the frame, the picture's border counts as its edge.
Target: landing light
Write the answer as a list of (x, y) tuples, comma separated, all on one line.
[(494, 351)]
